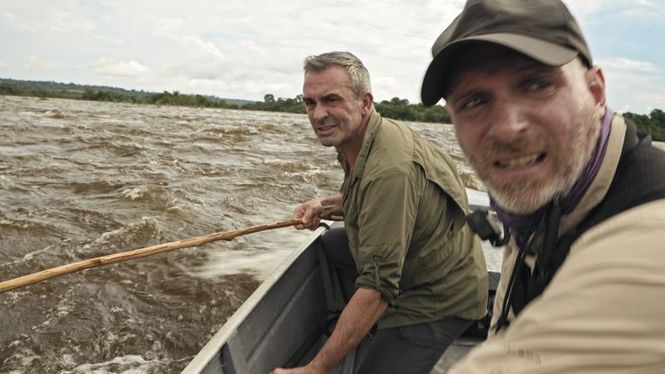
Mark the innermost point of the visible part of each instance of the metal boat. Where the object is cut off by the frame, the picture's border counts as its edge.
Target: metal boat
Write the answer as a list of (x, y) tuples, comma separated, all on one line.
[(288, 318)]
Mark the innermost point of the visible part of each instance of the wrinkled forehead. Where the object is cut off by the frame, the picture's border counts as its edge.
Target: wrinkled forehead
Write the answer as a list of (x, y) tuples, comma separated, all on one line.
[(485, 58), (332, 79)]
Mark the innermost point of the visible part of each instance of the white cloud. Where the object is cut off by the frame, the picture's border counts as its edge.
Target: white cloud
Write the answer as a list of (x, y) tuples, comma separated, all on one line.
[(15, 22), (632, 85), (656, 101), (641, 102), (37, 63), (199, 69), (177, 30), (245, 49), (588, 9), (646, 8), (627, 65), (57, 21), (123, 69)]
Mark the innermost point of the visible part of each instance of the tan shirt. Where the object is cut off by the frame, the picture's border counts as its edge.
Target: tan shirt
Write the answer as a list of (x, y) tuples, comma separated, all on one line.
[(604, 310), (404, 207)]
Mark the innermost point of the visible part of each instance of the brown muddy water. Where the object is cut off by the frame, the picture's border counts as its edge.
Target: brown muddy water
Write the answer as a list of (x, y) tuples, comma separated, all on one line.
[(84, 179)]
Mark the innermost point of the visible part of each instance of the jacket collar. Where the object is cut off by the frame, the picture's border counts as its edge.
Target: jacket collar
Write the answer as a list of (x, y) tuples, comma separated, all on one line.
[(601, 183), (373, 125)]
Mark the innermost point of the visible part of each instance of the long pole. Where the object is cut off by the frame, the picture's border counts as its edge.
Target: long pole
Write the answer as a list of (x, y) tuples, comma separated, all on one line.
[(137, 253)]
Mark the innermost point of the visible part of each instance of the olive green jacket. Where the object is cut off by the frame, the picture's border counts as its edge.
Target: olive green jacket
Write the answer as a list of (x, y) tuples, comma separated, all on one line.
[(404, 209)]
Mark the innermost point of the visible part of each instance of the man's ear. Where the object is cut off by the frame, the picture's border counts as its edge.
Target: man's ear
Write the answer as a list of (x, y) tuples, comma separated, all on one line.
[(596, 84), (368, 102)]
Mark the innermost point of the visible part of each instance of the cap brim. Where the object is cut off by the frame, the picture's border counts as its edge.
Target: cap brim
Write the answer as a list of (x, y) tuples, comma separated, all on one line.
[(435, 78)]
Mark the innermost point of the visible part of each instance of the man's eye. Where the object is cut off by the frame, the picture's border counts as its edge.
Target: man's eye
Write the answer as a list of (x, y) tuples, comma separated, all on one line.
[(539, 85), (474, 102)]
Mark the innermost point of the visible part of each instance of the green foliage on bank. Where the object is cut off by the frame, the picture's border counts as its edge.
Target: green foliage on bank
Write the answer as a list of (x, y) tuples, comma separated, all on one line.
[(401, 109), (396, 108), (270, 104), (114, 94), (653, 124)]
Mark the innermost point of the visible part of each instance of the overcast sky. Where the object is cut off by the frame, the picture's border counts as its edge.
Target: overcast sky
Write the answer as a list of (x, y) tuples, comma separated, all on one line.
[(247, 48)]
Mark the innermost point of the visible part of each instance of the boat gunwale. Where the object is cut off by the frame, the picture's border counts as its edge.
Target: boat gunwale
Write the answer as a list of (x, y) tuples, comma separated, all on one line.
[(230, 327)]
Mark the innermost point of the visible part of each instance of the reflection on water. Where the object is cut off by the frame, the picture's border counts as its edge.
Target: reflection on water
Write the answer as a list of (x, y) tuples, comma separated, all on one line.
[(84, 179)]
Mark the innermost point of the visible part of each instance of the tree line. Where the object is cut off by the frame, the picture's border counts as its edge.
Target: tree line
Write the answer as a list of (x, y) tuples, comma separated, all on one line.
[(653, 124), (396, 108), (113, 94)]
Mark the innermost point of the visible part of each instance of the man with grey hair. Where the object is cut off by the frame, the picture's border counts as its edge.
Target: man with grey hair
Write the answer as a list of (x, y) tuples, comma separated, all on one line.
[(582, 193), (415, 270)]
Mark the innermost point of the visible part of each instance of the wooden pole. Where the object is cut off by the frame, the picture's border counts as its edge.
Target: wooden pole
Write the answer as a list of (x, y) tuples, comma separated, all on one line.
[(137, 253)]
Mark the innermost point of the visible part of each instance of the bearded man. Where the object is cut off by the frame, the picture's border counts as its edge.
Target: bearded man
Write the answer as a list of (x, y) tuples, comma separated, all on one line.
[(582, 193)]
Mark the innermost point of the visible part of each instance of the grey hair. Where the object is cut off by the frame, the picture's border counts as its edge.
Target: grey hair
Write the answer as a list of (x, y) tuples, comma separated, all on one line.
[(357, 71)]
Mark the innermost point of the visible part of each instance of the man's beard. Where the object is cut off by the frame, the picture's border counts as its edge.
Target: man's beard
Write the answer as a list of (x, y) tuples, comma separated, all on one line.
[(526, 195)]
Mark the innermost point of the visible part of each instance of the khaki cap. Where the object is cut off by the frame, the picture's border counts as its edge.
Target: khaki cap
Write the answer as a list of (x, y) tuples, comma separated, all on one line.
[(544, 30)]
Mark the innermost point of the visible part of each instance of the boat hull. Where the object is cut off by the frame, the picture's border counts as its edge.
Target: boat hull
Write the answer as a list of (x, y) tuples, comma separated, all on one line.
[(286, 321)]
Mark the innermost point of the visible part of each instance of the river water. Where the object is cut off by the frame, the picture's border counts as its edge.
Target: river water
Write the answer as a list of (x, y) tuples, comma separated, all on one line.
[(83, 179)]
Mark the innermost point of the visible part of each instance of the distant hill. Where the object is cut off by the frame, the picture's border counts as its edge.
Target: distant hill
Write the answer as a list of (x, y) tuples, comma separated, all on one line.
[(106, 93)]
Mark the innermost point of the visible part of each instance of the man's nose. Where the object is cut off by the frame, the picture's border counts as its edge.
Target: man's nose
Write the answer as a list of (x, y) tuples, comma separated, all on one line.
[(318, 112), (509, 121)]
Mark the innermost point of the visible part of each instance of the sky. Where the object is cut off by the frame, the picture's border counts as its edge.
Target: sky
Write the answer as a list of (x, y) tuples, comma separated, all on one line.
[(245, 49)]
